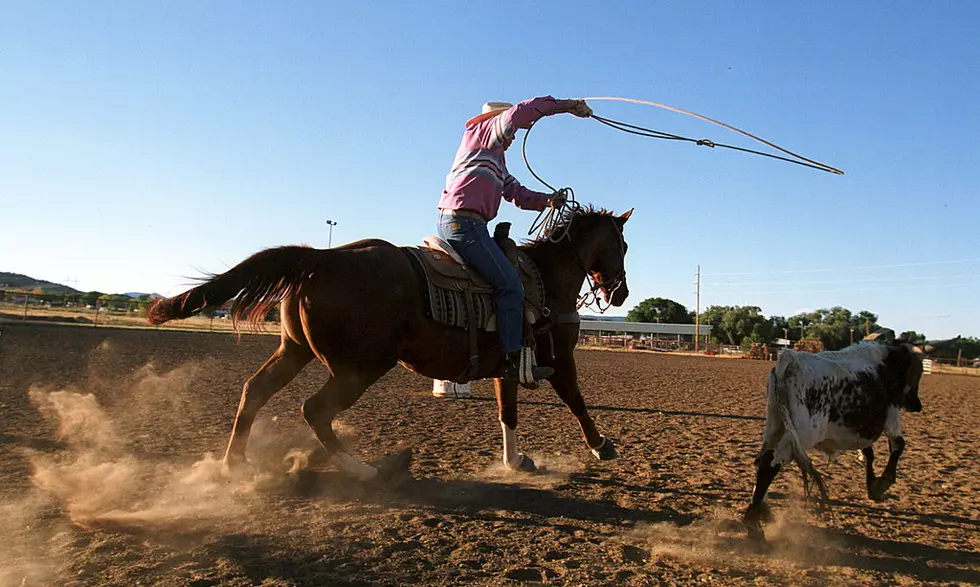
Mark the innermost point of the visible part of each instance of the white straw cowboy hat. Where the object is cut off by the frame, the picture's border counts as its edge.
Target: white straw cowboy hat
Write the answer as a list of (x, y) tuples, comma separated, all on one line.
[(490, 109)]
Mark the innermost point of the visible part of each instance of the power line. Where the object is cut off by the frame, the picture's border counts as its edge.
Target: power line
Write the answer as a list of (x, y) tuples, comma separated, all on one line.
[(854, 268), (851, 289), (842, 281)]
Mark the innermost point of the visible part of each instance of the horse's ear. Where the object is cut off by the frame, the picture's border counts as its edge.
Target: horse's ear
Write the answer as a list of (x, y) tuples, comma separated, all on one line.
[(626, 215)]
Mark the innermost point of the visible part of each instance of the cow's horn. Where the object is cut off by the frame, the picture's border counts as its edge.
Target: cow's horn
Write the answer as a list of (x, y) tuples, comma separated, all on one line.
[(886, 334), (941, 344)]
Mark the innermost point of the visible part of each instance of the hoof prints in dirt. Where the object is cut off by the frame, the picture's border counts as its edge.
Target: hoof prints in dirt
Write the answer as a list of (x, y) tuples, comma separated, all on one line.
[(665, 511)]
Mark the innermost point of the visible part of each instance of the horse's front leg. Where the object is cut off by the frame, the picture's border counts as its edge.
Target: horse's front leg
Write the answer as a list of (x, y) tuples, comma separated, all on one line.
[(565, 383), (507, 409)]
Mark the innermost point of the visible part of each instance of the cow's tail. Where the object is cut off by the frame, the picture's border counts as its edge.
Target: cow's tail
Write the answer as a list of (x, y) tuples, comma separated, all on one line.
[(780, 393), (259, 282)]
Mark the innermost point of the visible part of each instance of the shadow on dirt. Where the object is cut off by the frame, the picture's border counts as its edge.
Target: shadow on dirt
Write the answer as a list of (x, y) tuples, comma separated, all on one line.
[(628, 409), (926, 563), (935, 520), (41, 444), (475, 499)]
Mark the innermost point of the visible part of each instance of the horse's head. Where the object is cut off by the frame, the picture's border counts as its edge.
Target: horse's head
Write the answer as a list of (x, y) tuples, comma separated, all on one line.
[(596, 237), (609, 267)]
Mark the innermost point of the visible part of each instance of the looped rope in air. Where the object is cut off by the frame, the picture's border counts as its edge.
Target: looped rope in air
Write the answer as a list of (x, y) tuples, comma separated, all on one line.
[(639, 130)]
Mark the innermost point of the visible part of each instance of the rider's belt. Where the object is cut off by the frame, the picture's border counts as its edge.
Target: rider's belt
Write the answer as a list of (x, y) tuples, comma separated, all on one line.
[(464, 214)]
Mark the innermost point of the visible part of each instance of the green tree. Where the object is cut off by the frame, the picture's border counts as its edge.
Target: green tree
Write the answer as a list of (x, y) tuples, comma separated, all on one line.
[(143, 302), (660, 310), (970, 346), (916, 338), (738, 324), (834, 327), (89, 298)]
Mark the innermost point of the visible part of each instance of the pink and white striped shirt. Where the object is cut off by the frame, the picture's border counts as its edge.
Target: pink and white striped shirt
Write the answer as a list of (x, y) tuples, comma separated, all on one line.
[(479, 177)]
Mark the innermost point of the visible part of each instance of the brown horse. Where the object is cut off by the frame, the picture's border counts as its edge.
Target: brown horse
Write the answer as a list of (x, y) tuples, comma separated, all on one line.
[(359, 310)]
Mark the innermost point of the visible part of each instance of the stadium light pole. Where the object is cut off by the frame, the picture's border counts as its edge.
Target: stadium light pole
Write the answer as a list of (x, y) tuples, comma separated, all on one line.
[(331, 224)]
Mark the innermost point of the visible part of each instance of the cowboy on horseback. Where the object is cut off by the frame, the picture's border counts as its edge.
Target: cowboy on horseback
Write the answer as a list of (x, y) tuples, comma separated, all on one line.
[(474, 187)]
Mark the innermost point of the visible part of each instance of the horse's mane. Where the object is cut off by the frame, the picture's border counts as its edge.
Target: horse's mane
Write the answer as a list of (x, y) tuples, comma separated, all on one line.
[(564, 222)]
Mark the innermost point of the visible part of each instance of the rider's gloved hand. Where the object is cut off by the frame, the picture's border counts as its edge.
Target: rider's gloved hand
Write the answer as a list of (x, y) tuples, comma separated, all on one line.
[(580, 108), (558, 199)]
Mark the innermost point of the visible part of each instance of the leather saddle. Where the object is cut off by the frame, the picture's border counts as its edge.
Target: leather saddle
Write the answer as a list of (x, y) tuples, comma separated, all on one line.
[(458, 296)]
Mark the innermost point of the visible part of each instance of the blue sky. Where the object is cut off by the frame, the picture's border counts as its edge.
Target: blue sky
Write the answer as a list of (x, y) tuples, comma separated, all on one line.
[(141, 143)]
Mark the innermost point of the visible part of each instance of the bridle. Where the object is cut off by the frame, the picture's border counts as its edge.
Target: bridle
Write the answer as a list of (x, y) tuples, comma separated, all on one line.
[(591, 298), (547, 225), (597, 282)]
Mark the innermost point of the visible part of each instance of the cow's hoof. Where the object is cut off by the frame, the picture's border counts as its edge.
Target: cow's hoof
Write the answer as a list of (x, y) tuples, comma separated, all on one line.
[(878, 488), (757, 514), (756, 533), (605, 451)]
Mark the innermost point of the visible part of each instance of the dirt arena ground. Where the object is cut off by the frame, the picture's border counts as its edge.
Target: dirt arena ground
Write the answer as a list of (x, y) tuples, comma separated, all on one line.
[(110, 442)]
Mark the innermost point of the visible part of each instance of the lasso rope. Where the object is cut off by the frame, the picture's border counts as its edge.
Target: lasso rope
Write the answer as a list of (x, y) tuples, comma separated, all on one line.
[(633, 129)]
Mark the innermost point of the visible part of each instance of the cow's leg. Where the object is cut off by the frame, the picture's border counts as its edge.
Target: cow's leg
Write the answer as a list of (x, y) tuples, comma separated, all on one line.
[(565, 384), (766, 471), (877, 489), (896, 445), (868, 456), (507, 410)]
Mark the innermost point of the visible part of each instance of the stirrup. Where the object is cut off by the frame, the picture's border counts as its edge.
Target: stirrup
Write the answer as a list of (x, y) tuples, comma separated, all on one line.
[(529, 373)]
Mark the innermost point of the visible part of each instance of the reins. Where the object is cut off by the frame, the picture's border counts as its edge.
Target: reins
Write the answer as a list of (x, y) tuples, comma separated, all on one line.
[(548, 225)]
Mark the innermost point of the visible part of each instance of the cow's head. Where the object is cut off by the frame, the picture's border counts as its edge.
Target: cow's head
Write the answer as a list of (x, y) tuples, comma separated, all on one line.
[(910, 393), (905, 359), (903, 366)]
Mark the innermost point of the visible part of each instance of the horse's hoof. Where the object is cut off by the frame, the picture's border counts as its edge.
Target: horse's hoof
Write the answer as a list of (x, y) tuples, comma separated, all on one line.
[(605, 451), (238, 470), (395, 465), (524, 465)]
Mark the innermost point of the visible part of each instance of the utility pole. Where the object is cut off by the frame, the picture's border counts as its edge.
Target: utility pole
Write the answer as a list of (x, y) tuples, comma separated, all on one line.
[(331, 224), (697, 310)]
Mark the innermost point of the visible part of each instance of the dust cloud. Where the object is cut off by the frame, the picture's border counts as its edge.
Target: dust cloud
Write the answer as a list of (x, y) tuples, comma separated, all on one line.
[(793, 542), (553, 470), (99, 480), (96, 479)]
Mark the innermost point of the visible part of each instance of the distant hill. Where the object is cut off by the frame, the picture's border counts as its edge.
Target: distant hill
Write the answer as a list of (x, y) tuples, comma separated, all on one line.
[(24, 282)]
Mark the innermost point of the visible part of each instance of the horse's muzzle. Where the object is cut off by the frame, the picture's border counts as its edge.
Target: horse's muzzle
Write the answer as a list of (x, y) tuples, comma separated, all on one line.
[(616, 292)]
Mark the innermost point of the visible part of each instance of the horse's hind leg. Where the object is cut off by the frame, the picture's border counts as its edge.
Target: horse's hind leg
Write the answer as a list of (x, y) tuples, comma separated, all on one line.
[(339, 393), (288, 360)]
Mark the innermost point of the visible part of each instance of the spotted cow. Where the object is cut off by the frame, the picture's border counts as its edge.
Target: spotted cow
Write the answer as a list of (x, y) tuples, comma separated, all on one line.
[(837, 401)]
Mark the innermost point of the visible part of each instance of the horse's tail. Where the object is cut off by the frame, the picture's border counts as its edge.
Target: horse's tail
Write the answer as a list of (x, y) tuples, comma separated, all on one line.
[(260, 282)]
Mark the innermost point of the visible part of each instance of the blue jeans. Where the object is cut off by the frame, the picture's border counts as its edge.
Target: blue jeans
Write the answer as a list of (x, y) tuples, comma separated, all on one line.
[(471, 239)]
